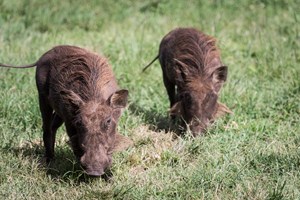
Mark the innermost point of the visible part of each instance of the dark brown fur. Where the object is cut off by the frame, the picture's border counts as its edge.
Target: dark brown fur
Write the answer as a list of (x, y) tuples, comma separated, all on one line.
[(78, 88), (191, 63)]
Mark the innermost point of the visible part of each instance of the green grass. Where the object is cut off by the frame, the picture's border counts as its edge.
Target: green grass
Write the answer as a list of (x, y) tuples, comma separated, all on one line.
[(253, 154)]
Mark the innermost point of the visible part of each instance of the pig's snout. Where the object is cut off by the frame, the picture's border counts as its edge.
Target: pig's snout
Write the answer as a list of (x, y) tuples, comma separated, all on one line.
[(95, 167), (94, 173), (198, 127)]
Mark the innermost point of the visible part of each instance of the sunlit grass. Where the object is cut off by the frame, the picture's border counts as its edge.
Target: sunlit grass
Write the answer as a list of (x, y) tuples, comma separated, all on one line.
[(252, 154)]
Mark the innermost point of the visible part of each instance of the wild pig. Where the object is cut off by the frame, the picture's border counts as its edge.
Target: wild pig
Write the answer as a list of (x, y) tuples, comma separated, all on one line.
[(193, 75), (77, 87)]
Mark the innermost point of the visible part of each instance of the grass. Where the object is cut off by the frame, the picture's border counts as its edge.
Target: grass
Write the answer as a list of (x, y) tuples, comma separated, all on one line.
[(253, 154)]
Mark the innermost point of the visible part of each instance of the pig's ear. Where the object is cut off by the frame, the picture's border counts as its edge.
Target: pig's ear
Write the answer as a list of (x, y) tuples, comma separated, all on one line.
[(176, 109), (219, 76), (222, 110), (72, 97), (118, 99), (122, 143)]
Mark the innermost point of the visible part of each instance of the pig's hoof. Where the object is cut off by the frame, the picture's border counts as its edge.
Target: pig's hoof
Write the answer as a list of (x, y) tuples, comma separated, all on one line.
[(46, 160), (43, 162)]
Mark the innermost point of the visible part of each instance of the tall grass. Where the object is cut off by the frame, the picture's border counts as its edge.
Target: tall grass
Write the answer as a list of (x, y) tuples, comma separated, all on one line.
[(252, 154)]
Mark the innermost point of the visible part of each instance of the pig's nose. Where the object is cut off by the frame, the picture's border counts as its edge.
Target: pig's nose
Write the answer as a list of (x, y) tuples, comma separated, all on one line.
[(197, 131), (95, 173), (94, 168)]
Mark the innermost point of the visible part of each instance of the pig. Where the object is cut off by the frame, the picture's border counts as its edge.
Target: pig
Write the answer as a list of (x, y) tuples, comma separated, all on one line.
[(193, 75), (78, 88)]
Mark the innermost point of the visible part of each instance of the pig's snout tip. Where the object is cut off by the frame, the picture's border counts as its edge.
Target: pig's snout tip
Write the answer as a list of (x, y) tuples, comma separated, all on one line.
[(197, 131), (95, 168), (94, 173)]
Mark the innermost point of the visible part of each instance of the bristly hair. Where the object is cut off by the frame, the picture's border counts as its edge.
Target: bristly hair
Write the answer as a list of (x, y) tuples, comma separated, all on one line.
[(85, 74), (197, 51)]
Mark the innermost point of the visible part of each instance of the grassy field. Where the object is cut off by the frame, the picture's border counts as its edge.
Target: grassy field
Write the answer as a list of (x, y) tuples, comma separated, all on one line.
[(252, 154)]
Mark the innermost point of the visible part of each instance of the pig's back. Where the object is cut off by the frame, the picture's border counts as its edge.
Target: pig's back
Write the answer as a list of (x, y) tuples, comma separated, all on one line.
[(78, 70)]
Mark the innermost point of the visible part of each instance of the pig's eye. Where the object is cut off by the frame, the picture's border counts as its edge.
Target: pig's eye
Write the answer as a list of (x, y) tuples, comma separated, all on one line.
[(106, 124), (108, 121)]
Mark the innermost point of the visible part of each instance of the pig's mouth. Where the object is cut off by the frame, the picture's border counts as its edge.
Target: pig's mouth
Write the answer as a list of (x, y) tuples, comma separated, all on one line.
[(97, 170), (94, 173), (198, 127)]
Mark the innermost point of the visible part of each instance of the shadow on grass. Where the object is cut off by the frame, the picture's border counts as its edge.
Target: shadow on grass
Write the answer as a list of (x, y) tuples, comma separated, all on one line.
[(64, 167), (157, 121)]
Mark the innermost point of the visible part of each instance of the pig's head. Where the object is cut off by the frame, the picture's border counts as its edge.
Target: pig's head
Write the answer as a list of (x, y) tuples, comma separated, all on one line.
[(96, 124), (197, 100)]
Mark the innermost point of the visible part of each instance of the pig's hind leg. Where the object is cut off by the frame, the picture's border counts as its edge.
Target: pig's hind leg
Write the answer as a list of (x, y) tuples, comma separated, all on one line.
[(55, 124), (48, 136), (170, 87)]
